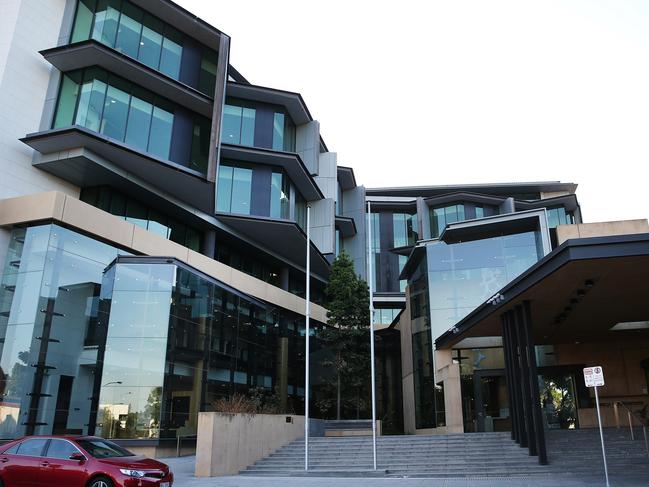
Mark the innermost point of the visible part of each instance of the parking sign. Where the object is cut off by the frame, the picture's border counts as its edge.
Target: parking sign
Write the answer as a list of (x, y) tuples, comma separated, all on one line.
[(594, 376)]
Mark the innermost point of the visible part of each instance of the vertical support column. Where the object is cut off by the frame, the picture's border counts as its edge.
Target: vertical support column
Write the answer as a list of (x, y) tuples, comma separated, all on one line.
[(214, 153), (520, 382), (526, 383), (533, 378), (508, 374)]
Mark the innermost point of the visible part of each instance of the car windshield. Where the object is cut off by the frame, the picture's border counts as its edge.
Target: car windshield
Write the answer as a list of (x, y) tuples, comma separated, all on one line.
[(99, 448)]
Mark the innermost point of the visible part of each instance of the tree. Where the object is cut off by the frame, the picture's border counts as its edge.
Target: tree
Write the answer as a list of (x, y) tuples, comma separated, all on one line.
[(347, 335)]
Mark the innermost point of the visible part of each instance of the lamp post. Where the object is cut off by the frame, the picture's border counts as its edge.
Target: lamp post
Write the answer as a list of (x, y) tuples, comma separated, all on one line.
[(371, 286), (307, 336)]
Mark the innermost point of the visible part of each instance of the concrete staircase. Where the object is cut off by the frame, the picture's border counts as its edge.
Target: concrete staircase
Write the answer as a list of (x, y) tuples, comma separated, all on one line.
[(461, 455)]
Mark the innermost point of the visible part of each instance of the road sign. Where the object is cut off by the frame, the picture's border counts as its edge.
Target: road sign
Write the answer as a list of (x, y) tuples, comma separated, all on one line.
[(594, 376)]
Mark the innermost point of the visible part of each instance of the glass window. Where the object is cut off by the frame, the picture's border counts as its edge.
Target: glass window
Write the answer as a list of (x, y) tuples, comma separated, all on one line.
[(241, 190), (238, 125), (139, 122), (117, 203), (91, 101), (278, 131), (479, 211), (172, 51), (207, 76), (440, 217), (130, 30), (177, 232), (200, 145), (224, 188), (33, 447), (151, 42), (83, 20), (161, 128), (67, 101), (106, 21), (158, 224), (279, 196), (100, 448), (113, 122), (61, 449), (136, 213)]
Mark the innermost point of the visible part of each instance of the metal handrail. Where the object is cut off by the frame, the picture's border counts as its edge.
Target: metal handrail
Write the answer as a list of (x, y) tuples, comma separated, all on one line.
[(179, 439), (644, 422)]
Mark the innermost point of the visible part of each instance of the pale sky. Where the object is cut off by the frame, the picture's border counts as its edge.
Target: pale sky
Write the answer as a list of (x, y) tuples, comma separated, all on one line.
[(443, 92)]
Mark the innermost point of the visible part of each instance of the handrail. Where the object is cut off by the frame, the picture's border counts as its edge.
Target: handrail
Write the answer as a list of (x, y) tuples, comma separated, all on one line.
[(643, 420), (179, 438)]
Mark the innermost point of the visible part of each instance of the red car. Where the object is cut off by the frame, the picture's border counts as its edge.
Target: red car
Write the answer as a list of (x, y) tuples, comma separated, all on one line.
[(77, 461)]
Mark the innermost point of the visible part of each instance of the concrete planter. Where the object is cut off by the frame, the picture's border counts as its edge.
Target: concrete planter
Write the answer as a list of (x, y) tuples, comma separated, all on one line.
[(227, 443)]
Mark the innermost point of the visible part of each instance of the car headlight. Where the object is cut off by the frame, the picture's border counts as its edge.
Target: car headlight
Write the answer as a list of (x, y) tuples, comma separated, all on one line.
[(132, 473)]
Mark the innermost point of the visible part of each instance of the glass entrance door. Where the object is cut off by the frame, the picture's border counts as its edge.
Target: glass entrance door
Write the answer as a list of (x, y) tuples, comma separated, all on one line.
[(491, 401), (558, 399)]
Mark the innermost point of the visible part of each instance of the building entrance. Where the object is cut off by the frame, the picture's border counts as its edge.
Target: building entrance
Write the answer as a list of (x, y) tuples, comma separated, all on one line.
[(558, 392), (491, 401)]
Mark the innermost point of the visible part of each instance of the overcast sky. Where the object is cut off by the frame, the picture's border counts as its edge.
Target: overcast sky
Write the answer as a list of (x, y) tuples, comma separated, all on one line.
[(441, 92)]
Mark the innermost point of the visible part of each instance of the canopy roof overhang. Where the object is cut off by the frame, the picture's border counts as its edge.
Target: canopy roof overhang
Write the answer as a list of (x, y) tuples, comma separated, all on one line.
[(69, 153), (346, 225), (293, 102), (283, 237), (577, 294)]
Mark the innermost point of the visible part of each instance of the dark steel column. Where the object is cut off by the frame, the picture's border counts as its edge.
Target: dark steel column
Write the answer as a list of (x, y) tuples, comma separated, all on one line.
[(519, 378), (533, 378), (508, 374), (527, 386)]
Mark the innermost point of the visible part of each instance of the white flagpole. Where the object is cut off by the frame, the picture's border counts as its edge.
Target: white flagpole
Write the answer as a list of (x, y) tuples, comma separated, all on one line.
[(307, 334), (371, 286)]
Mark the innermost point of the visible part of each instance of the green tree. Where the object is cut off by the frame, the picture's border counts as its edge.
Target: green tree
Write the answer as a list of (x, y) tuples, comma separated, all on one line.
[(347, 337)]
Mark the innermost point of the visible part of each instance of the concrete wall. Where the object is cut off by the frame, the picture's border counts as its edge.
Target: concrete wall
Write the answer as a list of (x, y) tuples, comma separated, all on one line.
[(307, 144), (449, 373), (601, 229), (356, 246), (228, 443), (323, 211), (26, 26), (553, 194)]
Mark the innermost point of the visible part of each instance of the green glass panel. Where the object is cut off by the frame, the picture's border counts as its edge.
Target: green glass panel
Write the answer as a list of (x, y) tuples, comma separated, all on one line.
[(116, 105), (139, 123), (177, 232), (193, 239), (241, 190), (83, 20), (151, 42), (172, 51), (160, 137), (200, 144), (106, 21), (276, 195), (67, 100), (158, 224), (248, 127), (91, 100), (118, 204), (224, 189), (231, 131), (278, 131), (130, 30), (136, 213), (207, 76)]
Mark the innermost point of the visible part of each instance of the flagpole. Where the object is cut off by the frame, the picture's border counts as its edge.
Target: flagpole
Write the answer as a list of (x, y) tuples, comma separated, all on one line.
[(307, 334), (371, 286)]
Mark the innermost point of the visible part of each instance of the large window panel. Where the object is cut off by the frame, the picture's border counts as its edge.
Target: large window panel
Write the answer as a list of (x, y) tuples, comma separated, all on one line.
[(130, 30), (172, 51), (161, 128), (224, 188), (139, 122), (91, 101), (241, 190), (106, 21), (151, 42), (83, 20), (67, 101), (113, 123)]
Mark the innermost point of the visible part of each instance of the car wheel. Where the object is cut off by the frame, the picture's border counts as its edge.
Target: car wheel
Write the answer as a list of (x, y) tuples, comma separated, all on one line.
[(99, 482)]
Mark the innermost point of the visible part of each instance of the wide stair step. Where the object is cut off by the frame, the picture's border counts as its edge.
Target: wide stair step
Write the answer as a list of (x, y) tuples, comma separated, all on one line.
[(575, 452)]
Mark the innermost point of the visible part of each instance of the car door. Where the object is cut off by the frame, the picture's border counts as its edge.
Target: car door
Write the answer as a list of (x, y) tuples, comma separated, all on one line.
[(22, 466), (60, 469)]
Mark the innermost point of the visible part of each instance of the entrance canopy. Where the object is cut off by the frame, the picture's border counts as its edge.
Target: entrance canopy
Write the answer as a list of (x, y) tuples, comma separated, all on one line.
[(590, 289)]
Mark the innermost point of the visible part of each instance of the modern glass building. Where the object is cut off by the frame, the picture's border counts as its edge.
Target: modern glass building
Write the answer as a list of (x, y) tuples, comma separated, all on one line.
[(153, 249)]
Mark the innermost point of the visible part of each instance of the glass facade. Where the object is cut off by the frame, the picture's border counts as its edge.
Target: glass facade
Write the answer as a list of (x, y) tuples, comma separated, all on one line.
[(142, 215), (240, 186), (132, 347), (440, 217), (385, 316), (559, 216), (462, 276), (257, 125), (105, 103), (405, 229), (244, 261), (128, 29)]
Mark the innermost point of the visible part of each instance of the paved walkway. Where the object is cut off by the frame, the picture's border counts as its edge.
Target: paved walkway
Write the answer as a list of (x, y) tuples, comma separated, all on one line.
[(183, 469)]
